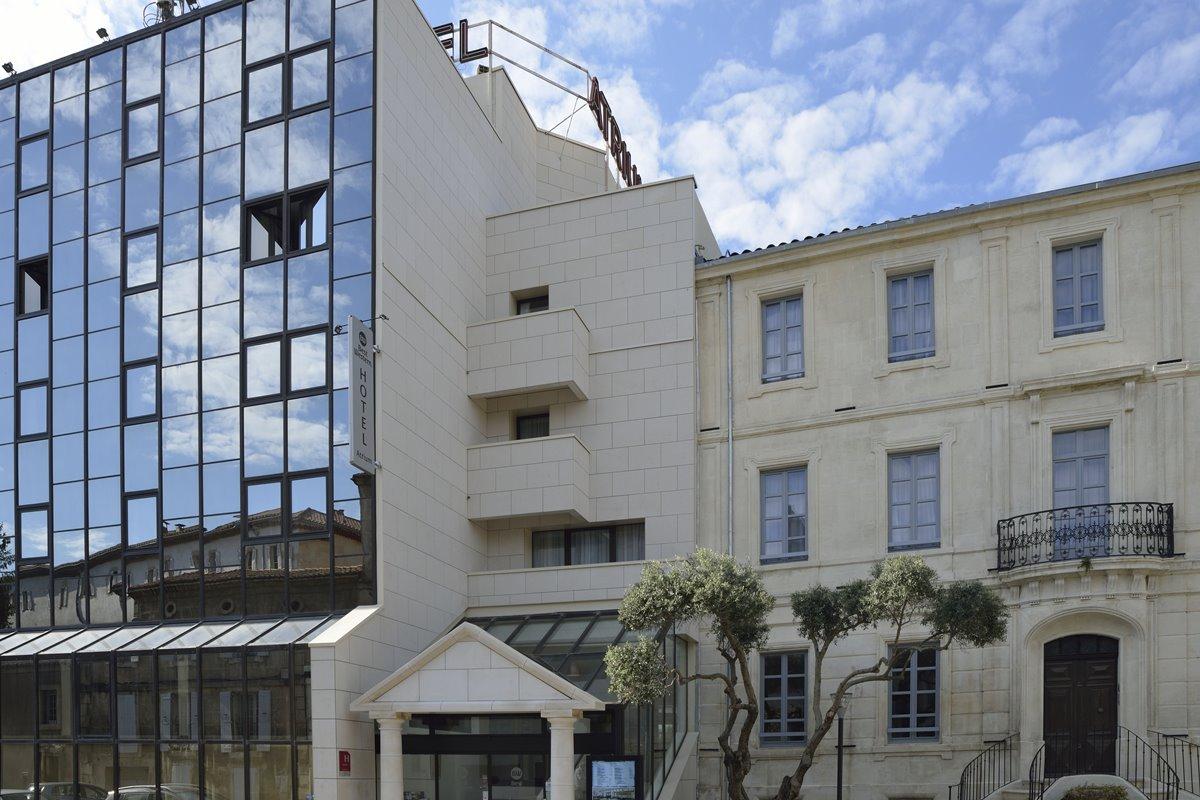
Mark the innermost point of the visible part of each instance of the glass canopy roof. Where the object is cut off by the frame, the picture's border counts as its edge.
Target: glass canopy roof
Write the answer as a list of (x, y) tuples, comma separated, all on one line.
[(570, 644)]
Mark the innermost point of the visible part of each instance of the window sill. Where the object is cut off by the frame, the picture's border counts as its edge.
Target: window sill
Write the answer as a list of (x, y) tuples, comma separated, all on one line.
[(775, 744), (781, 560), (904, 548), (1109, 333), (761, 387), (935, 361)]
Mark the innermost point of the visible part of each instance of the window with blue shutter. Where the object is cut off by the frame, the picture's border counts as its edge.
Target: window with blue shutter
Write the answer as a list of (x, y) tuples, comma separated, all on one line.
[(783, 339), (1078, 289), (784, 514), (914, 506), (910, 316)]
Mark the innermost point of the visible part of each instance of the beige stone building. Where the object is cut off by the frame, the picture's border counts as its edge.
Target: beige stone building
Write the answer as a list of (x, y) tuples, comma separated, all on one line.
[(934, 385)]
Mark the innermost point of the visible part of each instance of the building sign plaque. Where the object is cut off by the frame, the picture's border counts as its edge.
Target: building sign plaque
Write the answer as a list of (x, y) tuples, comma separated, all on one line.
[(362, 396), (614, 778)]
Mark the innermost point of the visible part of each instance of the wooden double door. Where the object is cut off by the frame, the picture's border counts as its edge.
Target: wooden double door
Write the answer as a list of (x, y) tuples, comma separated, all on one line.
[(1080, 705)]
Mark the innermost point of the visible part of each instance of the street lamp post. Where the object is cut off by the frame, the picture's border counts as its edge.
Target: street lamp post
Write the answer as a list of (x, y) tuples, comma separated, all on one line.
[(841, 718)]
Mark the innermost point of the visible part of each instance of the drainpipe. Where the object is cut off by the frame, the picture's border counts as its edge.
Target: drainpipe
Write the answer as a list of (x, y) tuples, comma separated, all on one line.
[(729, 412)]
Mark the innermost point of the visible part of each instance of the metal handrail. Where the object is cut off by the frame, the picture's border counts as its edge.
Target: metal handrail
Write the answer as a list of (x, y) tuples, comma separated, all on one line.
[(989, 770), (1133, 759), (1184, 757), (1088, 531)]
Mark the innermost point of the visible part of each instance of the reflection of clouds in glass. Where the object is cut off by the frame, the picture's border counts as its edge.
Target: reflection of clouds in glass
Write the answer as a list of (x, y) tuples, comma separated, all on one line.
[(179, 389), (181, 441), (221, 382), (352, 84), (68, 121), (142, 384), (68, 547), (181, 233), (310, 78), (264, 160), (180, 282), (34, 539), (263, 452), (341, 424), (265, 28), (223, 121), (341, 361), (308, 290), (142, 131), (263, 292), (307, 365), (221, 439), (141, 255), (183, 41), (220, 335), (308, 149), (181, 185), (104, 68), (183, 84), (262, 369), (264, 87), (100, 539), (181, 136), (68, 169), (352, 138), (352, 296), (141, 325), (141, 516), (308, 433), (180, 336), (354, 30), (310, 22), (352, 248), (104, 158), (143, 68), (141, 195), (221, 226), (220, 283), (104, 256), (35, 104), (69, 80), (351, 193), (223, 28), (68, 217), (222, 174)]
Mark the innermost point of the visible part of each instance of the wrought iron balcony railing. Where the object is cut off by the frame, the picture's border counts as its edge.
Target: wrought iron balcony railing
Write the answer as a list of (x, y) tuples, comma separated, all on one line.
[(1095, 531)]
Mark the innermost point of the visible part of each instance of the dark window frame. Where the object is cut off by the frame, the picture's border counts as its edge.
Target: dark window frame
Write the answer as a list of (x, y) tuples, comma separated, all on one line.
[(782, 303), (126, 236), (126, 159), (45, 433), (285, 60), (783, 738), (18, 165), (152, 415), (46, 293), (283, 202), (525, 305), (529, 417), (909, 673), (611, 527)]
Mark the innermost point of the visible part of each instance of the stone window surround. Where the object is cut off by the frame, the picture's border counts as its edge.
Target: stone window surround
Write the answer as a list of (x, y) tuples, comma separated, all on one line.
[(941, 441), (783, 458), (1106, 230), (1043, 474), (802, 286), (883, 698), (803, 649), (884, 269)]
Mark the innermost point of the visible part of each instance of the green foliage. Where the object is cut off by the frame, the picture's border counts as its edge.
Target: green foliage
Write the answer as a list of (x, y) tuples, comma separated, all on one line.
[(637, 672), (966, 612), (823, 614), (1096, 793)]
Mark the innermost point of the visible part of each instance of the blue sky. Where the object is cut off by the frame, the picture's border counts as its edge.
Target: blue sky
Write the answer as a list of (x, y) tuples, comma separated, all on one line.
[(801, 117)]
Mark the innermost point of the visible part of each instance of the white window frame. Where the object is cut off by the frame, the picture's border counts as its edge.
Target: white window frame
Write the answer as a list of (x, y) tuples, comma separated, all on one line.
[(884, 269), (1106, 231), (803, 287)]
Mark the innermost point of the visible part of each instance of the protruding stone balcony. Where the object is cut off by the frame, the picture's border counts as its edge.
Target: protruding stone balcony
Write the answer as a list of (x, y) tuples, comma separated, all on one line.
[(528, 353), (1107, 530), (547, 475)]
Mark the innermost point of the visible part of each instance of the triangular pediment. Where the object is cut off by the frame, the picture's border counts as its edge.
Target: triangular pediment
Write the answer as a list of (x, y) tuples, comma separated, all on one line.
[(469, 671)]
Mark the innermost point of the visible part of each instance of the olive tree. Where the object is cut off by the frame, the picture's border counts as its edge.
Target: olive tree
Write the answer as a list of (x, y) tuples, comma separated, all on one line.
[(903, 598)]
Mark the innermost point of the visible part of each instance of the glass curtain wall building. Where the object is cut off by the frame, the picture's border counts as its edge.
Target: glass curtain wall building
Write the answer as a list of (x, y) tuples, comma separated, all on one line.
[(186, 220)]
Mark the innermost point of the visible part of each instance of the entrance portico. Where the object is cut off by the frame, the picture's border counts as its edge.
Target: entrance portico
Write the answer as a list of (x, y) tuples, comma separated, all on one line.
[(469, 671)]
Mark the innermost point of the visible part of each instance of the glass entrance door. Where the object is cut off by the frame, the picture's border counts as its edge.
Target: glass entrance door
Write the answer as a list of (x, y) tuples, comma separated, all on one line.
[(518, 777)]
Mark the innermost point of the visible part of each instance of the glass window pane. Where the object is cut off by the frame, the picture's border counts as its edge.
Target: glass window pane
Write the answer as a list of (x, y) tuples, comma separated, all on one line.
[(35, 157), (223, 28), (307, 362), (69, 80), (352, 138), (69, 117), (352, 83), (269, 702), (222, 71), (183, 85), (220, 330), (142, 130), (141, 458), (263, 369), (143, 72), (181, 236), (180, 341), (68, 169), (308, 290), (141, 391), (352, 248), (310, 79), (309, 23), (181, 135), (266, 28), (224, 718), (33, 236), (264, 161), (34, 97), (223, 121), (141, 195), (180, 289), (104, 207), (308, 149), (308, 433), (141, 325), (32, 410), (263, 291), (221, 222), (222, 174), (264, 87), (141, 259), (352, 193), (263, 439), (354, 30), (104, 109)]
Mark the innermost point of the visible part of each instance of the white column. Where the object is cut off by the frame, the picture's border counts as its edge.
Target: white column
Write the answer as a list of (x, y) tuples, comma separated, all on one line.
[(391, 757), (562, 754)]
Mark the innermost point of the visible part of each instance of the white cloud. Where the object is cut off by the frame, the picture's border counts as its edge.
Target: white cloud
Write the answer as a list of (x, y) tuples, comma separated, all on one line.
[(1135, 143), (37, 31), (820, 19), (1048, 130), (1162, 70), (1028, 44), (867, 61), (619, 26), (769, 171)]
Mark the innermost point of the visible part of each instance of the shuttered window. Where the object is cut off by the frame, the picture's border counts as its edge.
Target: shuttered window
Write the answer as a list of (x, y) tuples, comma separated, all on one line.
[(783, 339), (913, 500), (910, 316)]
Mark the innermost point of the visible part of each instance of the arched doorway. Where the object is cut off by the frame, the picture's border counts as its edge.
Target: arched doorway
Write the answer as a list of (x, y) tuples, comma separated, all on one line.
[(1079, 717)]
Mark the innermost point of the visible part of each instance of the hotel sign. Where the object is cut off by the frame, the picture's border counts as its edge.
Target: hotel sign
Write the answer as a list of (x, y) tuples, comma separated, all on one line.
[(611, 133), (362, 396)]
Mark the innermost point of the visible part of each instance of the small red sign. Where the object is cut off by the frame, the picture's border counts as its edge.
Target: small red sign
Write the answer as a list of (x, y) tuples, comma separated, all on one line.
[(343, 760)]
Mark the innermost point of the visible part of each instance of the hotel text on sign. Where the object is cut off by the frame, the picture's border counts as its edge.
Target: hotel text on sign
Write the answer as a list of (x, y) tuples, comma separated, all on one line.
[(362, 396)]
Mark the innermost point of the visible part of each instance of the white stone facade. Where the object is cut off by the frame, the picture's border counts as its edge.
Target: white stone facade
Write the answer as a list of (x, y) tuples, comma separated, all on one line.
[(990, 398)]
